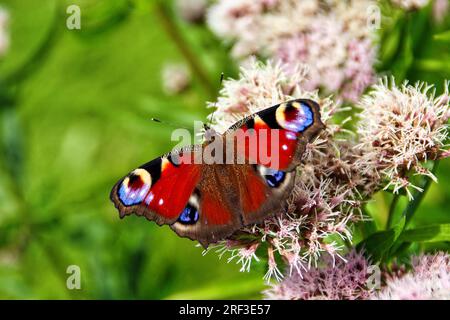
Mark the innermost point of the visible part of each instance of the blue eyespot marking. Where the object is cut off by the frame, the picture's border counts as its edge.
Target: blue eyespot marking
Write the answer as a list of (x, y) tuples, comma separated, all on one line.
[(189, 215), (130, 196), (134, 188), (299, 117), (295, 116), (275, 178)]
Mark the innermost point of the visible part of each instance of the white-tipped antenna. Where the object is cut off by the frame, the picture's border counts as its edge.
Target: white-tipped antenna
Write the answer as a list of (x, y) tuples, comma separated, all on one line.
[(170, 124)]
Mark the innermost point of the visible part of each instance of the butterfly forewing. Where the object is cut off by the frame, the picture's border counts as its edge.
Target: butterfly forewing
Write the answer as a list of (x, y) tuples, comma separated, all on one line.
[(277, 137)]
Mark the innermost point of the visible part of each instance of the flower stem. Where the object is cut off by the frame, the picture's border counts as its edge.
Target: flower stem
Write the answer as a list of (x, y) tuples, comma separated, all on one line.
[(392, 211), (171, 28), (418, 197), (410, 210), (38, 57)]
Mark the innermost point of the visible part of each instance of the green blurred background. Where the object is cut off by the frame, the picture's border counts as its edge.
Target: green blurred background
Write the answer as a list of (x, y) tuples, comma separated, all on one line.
[(75, 109)]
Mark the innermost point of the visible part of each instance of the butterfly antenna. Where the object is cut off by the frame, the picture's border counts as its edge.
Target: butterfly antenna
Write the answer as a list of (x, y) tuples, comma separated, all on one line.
[(170, 124)]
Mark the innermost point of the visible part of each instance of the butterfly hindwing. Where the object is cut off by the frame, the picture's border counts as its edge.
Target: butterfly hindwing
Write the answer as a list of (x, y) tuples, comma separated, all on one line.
[(231, 196), (263, 191), (214, 203)]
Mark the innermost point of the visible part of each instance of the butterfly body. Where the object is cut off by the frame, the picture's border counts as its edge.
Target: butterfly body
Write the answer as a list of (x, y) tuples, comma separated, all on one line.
[(208, 200)]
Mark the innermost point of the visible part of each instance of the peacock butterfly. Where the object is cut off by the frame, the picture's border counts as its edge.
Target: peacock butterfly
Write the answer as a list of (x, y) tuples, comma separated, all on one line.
[(209, 200)]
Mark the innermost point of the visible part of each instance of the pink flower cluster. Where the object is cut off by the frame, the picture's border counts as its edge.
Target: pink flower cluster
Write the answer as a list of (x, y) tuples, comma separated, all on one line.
[(333, 280), (429, 279), (354, 278), (327, 193), (441, 9), (334, 39), (192, 11), (410, 4), (398, 130), (176, 77)]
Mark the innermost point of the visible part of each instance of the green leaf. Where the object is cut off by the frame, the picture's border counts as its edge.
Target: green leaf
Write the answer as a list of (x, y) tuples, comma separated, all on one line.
[(379, 243), (390, 45), (400, 192), (443, 36), (432, 65), (418, 197), (102, 15), (432, 233), (222, 291), (405, 57)]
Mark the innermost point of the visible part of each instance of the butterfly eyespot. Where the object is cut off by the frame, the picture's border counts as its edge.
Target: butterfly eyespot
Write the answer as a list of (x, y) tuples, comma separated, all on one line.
[(294, 116), (135, 187), (275, 179), (189, 215)]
